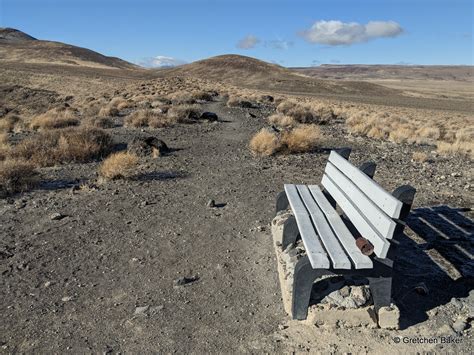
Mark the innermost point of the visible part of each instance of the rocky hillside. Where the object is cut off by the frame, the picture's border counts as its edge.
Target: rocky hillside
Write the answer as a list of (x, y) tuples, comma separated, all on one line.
[(19, 47), (253, 73)]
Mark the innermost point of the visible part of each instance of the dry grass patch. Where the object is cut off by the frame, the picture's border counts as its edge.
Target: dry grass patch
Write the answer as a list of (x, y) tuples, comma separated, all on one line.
[(65, 145), (191, 97), (184, 113), (240, 101), (9, 123), (458, 147), (281, 120), (16, 176), (303, 138), (312, 112), (55, 118), (101, 122), (4, 146), (149, 118), (119, 165), (119, 103), (419, 157), (108, 111), (265, 143)]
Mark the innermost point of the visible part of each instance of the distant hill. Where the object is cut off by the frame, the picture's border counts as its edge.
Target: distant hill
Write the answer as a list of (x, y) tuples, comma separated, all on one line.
[(19, 47), (389, 72), (253, 73)]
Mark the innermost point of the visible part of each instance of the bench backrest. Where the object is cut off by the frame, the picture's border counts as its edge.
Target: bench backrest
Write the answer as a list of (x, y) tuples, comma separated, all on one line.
[(372, 210)]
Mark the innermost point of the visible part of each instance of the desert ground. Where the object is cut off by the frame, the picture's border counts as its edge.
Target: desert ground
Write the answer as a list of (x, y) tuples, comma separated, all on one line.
[(111, 244)]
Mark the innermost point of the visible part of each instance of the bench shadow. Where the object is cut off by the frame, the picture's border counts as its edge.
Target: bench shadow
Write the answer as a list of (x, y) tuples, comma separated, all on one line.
[(434, 262)]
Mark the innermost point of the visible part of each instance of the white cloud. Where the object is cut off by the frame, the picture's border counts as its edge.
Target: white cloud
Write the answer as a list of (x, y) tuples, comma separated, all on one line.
[(248, 42), (279, 44), (160, 61), (336, 33)]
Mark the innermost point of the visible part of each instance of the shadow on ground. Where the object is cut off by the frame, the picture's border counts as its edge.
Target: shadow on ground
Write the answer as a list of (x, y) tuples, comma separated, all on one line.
[(437, 257)]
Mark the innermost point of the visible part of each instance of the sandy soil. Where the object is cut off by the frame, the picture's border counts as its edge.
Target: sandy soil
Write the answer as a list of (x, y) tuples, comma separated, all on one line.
[(80, 283)]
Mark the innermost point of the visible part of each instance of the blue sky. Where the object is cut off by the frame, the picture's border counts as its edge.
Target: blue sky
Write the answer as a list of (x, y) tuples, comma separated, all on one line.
[(290, 33)]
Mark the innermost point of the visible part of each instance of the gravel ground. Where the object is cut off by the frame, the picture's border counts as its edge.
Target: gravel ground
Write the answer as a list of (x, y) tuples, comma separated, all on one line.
[(144, 265)]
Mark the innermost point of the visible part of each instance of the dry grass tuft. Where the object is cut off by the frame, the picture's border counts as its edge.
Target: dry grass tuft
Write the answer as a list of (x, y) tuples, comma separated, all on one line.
[(4, 146), (281, 120), (16, 176), (240, 101), (100, 122), (55, 118), (420, 157), (458, 147), (265, 143), (119, 103), (9, 123), (184, 113), (191, 97), (149, 118), (108, 111), (64, 145), (303, 138), (120, 165)]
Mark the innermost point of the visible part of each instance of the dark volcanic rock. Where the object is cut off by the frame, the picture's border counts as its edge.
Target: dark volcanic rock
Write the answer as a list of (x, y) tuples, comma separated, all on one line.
[(147, 145), (210, 116)]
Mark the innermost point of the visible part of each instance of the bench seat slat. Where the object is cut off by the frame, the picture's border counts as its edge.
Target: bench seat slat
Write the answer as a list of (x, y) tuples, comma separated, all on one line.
[(315, 251), (380, 244), (333, 248), (340, 229), (382, 222), (389, 204)]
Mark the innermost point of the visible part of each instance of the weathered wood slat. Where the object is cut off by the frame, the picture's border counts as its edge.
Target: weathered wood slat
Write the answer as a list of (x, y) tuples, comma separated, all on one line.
[(340, 229), (333, 248), (381, 221), (389, 204), (314, 248), (381, 244)]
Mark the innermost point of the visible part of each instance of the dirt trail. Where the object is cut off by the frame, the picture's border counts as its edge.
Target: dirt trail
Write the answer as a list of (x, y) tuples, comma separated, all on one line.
[(103, 278)]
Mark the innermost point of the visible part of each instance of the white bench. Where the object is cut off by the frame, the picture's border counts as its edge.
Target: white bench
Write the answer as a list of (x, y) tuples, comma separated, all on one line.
[(329, 238)]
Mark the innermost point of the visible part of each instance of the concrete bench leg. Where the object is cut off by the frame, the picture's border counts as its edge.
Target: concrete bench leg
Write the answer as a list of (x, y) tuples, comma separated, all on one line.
[(381, 289), (304, 277), (281, 202), (290, 232)]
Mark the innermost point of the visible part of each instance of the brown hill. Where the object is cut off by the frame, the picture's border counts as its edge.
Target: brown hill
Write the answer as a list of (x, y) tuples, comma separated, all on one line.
[(253, 73), (18, 47), (390, 72)]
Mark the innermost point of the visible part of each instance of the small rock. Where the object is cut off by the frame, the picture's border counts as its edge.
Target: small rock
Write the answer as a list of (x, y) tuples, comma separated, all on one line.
[(147, 145), (459, 325), (66, 299), (211, 204), (282, 326), (421, 289), (141, 310), (144, 203), (345, 291), (456, 303), (209, 116), (445, 330), (57, 216), (185, 280), (389, 317), (360, 295)]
